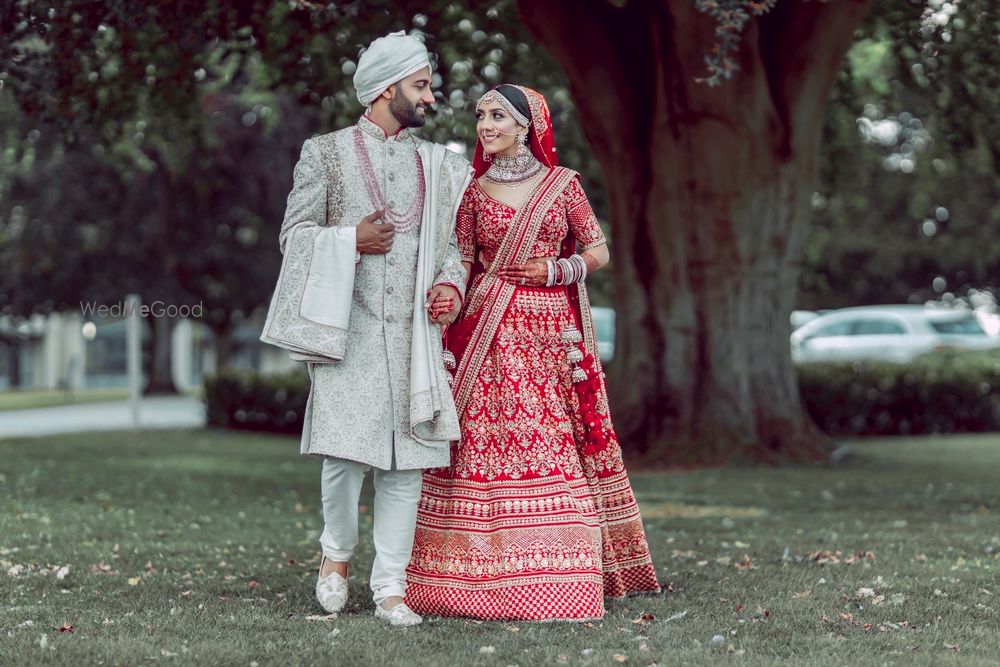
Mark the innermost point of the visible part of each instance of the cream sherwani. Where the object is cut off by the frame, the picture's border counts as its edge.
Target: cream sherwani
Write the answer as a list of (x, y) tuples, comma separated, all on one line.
[(350, 414)]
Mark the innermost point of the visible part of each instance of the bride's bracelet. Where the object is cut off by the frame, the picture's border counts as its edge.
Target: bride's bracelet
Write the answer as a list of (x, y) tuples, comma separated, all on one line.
[(566, 271)]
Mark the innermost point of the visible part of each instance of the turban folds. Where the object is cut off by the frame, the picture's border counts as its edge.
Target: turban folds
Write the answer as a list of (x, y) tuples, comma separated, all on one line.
[(387, 60)]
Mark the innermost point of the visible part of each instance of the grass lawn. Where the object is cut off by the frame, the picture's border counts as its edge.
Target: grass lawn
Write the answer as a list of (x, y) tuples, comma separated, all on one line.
[(47, 398), (199, 547)]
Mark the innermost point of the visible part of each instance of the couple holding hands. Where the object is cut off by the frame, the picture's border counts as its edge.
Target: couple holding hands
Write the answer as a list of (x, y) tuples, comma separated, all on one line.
[(500, 492)]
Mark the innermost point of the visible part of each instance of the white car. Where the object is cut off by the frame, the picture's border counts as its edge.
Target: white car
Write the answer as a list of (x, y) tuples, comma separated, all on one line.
[(887, 333), (604, 324)]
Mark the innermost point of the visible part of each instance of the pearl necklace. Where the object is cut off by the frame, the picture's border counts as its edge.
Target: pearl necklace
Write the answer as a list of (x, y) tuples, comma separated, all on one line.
[(512, 170), (405, 221)]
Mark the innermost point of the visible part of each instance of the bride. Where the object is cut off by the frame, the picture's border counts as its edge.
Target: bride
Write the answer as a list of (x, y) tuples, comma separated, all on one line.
[(535, 519)]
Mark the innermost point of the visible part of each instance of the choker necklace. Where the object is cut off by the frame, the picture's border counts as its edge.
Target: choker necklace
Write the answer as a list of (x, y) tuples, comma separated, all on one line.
[(512, 170)]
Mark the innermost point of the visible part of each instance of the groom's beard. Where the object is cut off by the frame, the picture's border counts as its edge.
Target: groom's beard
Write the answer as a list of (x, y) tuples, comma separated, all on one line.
[(405, 112)]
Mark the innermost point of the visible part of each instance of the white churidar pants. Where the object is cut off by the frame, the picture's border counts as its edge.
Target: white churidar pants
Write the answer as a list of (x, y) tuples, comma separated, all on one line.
[(397, 493)]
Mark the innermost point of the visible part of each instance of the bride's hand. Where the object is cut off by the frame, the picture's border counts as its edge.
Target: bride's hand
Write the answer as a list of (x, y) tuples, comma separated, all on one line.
[(534, 273)]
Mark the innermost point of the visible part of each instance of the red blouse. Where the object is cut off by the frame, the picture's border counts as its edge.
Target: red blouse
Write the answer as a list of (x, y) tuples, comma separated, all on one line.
[(483, 221)]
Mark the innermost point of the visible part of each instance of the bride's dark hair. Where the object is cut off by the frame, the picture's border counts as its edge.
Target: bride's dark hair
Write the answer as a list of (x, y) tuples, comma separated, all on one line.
[(515, 97)]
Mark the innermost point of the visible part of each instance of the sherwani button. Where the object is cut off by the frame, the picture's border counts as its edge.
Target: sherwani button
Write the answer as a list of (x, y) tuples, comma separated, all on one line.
[(388, 290), (392, 177), (391, 152), (388, 318)]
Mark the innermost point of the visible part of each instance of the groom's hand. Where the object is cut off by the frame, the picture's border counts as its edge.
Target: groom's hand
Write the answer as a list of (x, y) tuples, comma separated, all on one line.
[(374, 238), (443, 304)]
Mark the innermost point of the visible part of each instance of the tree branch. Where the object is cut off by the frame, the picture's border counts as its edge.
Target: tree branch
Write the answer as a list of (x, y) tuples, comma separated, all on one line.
[(802, 45)]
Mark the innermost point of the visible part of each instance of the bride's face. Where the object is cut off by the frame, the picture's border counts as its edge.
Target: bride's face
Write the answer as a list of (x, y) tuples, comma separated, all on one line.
[(497, 129)]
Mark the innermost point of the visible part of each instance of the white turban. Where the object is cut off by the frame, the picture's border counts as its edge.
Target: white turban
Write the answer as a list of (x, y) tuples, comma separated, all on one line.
[(387, 60)]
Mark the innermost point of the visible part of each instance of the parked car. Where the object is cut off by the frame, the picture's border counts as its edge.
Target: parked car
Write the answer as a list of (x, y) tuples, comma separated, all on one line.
[(604, 323), (897, 333), (800, 317)]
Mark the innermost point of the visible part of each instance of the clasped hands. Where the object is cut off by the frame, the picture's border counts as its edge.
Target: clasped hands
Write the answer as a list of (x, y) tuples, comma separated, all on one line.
[(443, 304)]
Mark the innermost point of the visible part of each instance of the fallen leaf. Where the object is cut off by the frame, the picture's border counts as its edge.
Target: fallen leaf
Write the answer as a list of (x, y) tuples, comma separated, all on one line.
[(313, 617), (134, 581), (62, 572), (953, 647), (825, 556), (185, 594), (252, 584), (66, 628), (745, 564), (618, 657), (487, 650), (860, 556), (804, 594), (739, 608)]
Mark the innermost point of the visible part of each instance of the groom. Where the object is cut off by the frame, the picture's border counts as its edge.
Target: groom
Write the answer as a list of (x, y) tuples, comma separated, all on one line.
[(376, 205)]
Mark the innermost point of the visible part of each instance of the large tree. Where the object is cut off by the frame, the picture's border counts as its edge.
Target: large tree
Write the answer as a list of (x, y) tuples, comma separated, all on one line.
[(709, 189)]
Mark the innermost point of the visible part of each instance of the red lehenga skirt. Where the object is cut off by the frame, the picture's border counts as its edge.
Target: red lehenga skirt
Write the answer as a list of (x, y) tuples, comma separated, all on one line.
[(524, 525)]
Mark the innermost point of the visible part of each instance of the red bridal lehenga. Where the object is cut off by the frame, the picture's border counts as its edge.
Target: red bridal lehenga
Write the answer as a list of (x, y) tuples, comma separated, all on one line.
[(535, 519)]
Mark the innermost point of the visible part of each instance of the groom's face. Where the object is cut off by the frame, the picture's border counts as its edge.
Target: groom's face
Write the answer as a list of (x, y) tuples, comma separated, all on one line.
[(411, 97)]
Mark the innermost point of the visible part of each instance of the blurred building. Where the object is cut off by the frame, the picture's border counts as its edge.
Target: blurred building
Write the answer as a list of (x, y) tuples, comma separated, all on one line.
[(67, 351)]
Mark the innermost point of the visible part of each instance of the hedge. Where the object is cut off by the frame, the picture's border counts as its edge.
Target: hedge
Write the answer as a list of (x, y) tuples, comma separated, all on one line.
[(940, 393), (248, 400), (937, 393)]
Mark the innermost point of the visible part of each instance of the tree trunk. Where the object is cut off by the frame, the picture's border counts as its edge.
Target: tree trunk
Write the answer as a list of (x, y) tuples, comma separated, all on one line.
[(161, 379), (709, 189)]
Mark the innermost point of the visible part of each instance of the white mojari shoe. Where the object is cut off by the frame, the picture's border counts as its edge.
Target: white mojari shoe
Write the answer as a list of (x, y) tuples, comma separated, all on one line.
[(331, 591), (400, 615)]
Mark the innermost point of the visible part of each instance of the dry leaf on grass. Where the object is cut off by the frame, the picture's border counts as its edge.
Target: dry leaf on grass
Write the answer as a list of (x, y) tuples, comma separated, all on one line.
[(746, 563), (644, 619), (316, 617), (67, 628)]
